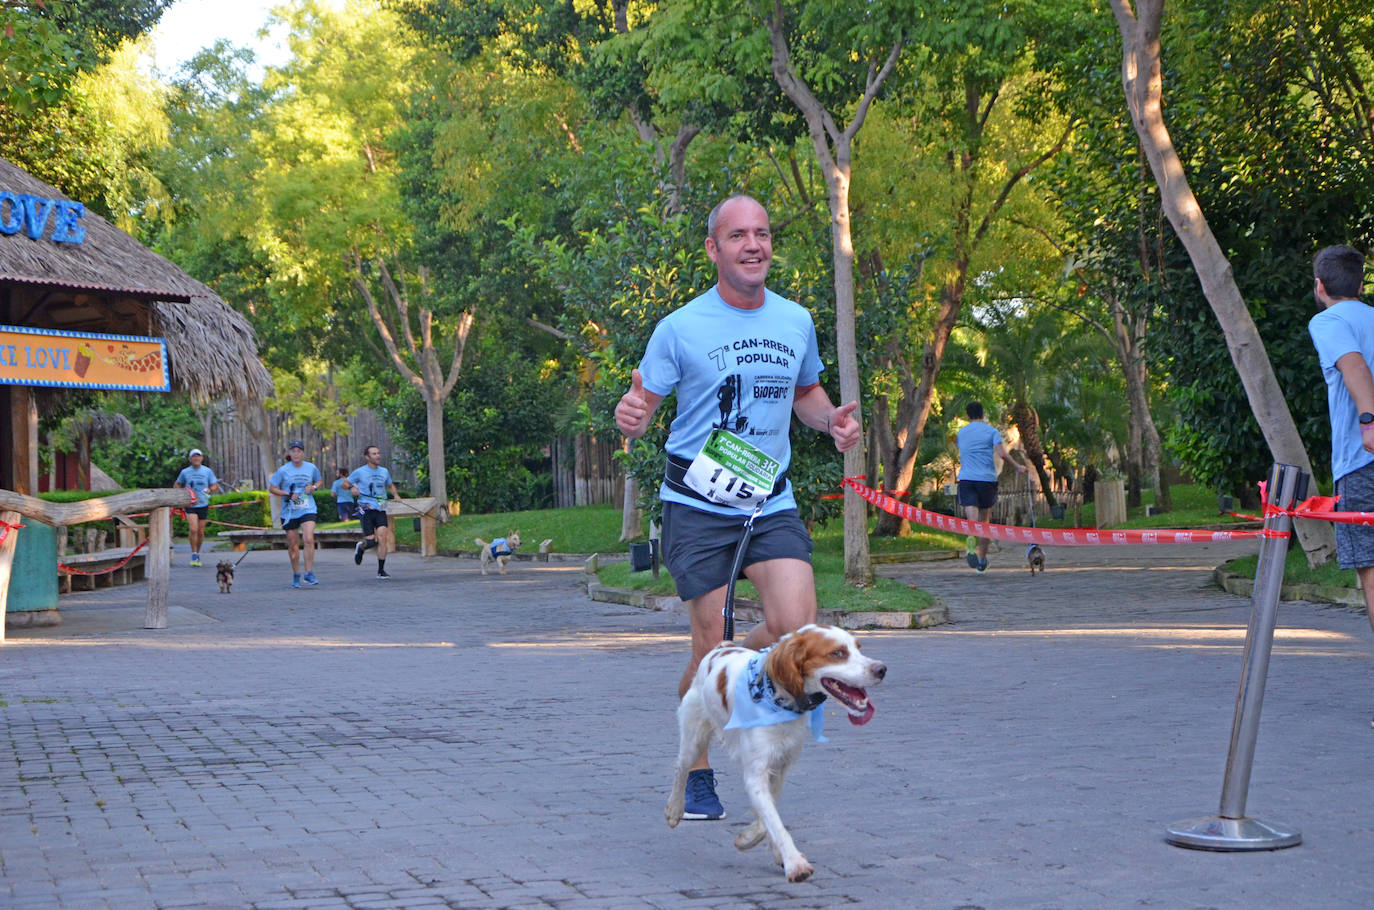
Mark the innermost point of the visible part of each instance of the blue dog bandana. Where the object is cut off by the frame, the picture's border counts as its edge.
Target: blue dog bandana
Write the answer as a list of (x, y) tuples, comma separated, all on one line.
[(499, 548), (756, 703)]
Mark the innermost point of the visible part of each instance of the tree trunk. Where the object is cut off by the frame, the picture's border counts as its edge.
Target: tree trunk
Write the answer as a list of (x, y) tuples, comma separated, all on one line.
[(1143, 84), (434, 423), (631, 516), (832, 146), (1028, 425)]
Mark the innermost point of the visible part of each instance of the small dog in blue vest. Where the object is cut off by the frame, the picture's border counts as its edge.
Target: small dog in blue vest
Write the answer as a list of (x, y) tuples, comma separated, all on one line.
[(498, 551)]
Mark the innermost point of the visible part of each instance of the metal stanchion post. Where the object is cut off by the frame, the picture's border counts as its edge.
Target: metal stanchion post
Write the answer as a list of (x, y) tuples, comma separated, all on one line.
[(1230, 829)]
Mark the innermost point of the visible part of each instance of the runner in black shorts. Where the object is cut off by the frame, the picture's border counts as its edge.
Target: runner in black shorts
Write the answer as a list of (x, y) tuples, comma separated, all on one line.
[(742, 361), (372, 483)]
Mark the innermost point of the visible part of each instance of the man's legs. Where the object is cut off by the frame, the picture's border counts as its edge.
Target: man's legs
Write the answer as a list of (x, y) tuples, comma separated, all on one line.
[(1367, 585), (308, 533), (293, 550), (787, 588), (196, 534), (983, 516)]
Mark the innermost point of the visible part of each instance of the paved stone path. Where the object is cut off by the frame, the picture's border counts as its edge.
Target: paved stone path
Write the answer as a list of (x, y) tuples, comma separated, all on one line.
[(453, 740)]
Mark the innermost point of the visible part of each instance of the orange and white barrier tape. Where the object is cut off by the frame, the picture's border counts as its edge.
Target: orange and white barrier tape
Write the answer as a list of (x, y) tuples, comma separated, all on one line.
[(1063, 537)]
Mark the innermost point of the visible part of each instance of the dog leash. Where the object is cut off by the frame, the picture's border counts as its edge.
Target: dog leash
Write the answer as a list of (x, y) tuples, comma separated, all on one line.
[(729, 611)]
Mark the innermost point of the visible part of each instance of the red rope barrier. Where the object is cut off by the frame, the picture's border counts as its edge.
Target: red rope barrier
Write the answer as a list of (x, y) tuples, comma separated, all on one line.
[(5, 529), (115, 568)]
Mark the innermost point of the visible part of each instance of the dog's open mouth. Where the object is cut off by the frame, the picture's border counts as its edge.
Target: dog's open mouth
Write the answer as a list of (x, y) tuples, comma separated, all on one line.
[(854, 699)]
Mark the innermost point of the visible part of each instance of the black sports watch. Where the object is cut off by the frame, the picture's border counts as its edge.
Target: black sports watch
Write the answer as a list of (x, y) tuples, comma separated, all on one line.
[(1366, 418)]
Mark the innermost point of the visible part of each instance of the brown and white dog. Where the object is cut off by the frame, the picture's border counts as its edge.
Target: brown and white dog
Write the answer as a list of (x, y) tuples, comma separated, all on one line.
[(224, 575), (499, 550), (797, 674), (1036, 558)]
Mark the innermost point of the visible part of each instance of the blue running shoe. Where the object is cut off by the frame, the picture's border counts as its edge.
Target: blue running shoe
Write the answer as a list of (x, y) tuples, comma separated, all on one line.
[(972, 557), (982, 565), (702, 803), (295, 580), (310, 579), (195, 560)]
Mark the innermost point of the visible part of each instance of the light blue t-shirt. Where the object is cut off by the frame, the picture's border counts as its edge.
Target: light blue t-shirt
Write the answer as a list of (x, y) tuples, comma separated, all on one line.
[(977, 441), (340, 494), (736, 369), (372, 485), (200, 479), (294, 479), (1343, 328)]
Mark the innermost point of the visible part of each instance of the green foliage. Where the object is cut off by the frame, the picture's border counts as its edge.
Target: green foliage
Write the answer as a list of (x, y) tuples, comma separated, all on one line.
[(244, 507), (165, 429), (497, 427), (314, 399), (46, 43)]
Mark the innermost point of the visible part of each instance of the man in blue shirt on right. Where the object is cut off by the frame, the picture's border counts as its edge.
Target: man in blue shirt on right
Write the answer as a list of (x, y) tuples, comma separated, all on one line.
[(371, 483), (978, 443), (1343, 333)]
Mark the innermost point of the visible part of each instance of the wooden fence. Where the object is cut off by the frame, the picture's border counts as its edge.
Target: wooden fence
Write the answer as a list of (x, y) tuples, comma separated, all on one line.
[(585, 473), (232, 448)]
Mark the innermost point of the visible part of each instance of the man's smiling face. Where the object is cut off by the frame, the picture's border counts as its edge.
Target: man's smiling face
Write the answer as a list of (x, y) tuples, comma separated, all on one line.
[(742, 249)]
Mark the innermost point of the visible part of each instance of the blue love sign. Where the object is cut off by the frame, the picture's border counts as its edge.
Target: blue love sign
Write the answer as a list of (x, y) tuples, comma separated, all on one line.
[(31, 214)]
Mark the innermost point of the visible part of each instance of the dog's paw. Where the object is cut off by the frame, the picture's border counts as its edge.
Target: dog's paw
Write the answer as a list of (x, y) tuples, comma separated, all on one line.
[(799, 870), (673, 811), (751, 836)]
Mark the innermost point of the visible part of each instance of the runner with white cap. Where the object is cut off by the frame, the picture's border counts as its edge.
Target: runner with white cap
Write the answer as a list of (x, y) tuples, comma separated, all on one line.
[(203, 481)]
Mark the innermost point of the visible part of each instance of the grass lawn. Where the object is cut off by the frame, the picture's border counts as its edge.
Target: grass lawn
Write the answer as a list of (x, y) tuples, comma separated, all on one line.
[(1296, 570), (596, 529), (1194, 506)]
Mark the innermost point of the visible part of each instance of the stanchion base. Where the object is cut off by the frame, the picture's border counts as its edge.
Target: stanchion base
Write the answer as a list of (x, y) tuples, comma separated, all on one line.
[(1216, 833)]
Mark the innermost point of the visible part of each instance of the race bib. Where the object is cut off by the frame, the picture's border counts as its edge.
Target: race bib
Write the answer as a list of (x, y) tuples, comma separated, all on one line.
[(730, 471)]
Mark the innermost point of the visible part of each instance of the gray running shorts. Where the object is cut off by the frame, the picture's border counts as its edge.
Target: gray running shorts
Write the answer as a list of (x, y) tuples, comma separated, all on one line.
[(1355, 543), (699, 547)]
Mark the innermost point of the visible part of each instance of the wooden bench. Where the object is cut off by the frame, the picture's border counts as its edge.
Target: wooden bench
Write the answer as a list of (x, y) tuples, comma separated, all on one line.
[(324, 537), (133, 570), (428, 510)]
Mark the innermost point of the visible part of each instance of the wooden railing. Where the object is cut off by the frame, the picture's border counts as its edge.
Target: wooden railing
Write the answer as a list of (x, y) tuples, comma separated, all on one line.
[(16, 508)]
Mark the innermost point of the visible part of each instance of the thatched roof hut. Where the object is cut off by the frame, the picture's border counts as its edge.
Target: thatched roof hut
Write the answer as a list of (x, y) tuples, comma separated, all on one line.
[(106, 283), (112, 283)]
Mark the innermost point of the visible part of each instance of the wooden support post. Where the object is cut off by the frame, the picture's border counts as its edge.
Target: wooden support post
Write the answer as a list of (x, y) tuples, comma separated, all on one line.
[(24, 426), (159, 565), (429, 536), (6, 560)]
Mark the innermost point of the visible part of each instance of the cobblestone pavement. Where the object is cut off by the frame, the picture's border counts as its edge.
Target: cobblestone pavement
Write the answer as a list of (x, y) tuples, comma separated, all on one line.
[(452, 740)]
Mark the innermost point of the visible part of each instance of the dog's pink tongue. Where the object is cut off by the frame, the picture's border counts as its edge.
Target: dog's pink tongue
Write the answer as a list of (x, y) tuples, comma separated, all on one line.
[(859, 720)]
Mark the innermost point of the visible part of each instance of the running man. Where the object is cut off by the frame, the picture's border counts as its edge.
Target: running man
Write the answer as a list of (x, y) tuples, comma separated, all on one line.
[(371, 483), (203, 481), (979, 446), (742, 361), (296, 482)]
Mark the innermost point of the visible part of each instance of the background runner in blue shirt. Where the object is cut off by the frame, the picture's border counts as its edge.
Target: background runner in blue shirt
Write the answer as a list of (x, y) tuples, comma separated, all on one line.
[(371, 483), (343, 495), (296, 482), (203, 480)]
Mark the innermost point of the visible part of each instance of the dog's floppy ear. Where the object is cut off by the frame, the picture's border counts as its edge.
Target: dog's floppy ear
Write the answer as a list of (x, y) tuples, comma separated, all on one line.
[(786, 664)]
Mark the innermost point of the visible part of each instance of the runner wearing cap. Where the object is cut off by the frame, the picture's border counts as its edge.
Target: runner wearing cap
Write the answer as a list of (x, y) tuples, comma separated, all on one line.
[(296, 482), (203, 481)]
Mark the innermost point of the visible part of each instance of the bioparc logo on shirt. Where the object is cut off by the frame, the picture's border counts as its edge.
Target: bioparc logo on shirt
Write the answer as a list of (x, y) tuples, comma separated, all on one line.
[(764, 388)]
